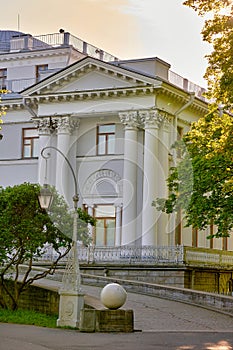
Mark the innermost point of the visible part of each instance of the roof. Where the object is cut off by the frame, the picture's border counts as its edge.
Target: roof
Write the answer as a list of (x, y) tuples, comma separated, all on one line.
[(5, 37)]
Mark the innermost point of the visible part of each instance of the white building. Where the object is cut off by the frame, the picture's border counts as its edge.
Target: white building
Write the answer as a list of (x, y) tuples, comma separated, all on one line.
[(114, 119)]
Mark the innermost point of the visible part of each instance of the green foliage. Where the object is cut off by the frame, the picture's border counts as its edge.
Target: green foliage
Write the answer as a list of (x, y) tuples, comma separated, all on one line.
[(218, 31), (25, 227), (202, 183), (25, 230), (27, 317)]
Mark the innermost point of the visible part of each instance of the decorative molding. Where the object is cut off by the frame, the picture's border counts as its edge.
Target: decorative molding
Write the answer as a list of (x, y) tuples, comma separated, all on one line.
[(152, 118), (66, 124), (130, 119), (90, 94), (44, 125), (147, 118), (185, 122), (102, 174)]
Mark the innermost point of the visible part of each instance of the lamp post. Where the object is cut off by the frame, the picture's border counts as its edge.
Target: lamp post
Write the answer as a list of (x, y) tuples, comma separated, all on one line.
[(71, 296)]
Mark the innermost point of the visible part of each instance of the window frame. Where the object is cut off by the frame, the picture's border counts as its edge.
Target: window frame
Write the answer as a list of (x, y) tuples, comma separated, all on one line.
[(38, 71), (3, 78), (31, 145), (106, 141), (104, 219)]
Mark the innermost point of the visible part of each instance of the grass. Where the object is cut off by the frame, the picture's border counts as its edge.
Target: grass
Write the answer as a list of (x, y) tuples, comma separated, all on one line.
[(27, 317)]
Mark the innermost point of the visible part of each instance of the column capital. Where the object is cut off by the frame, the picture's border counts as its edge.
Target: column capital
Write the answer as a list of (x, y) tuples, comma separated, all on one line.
[(130, 119), (66, 124), (153, 118), (45, 125)]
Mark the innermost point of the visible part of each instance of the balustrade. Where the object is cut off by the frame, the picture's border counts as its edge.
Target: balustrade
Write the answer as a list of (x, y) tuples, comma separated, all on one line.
[(124, 255), (161, 255)]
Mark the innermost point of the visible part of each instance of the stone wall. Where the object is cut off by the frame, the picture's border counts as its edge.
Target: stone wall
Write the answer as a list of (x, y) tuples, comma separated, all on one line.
[(197, 278), (179, 277), (209, 300), (39, 299)]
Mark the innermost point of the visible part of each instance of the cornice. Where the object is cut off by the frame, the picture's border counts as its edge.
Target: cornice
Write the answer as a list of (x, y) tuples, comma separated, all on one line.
[(19, 55), (92, 94), (13, 105), (198, 106)]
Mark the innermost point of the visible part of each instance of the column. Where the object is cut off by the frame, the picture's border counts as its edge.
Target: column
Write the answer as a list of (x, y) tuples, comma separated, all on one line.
[(129, 213), (65, 126), (118, 225), (44, 128), (164, 235), (90, 211), (152, 121)]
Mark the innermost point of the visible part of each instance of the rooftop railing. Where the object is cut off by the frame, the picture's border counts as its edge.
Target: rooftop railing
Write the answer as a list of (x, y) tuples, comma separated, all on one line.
[(186, 85), (24, 42), (27, 42)]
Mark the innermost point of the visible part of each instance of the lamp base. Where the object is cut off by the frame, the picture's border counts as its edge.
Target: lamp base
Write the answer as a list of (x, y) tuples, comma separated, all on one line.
[(70, 306)]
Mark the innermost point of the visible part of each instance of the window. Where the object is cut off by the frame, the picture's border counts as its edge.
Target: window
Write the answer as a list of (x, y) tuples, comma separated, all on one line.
[(3, 77), (105, 225), (30, 143), (40, 69), (106, 139)]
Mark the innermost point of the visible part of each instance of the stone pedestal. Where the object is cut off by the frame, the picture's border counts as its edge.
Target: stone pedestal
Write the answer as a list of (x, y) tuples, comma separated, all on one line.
[(106, 320), (70, 307)]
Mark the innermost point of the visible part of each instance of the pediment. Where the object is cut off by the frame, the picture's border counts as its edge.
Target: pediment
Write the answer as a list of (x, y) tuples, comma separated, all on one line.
[(88, 75), (95, 80)]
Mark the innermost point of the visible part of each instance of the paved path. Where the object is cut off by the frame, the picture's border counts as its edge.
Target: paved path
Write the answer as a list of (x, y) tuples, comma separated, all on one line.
[(156, 314), (160, 324), (20, 337)]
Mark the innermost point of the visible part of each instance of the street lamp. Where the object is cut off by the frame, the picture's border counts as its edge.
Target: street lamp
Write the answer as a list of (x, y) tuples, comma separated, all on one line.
[(45, 197), (71, 296)]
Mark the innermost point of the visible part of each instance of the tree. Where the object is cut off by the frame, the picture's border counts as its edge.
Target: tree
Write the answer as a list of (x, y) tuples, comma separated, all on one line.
[(25, 229), (202, 183), (218, 31)]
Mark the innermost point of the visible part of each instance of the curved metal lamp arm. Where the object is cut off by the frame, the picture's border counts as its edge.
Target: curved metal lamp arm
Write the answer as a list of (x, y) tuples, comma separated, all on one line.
[(75, 198)]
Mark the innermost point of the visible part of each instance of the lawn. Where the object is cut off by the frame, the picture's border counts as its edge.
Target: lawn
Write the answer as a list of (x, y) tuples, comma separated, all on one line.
[(28, 317)]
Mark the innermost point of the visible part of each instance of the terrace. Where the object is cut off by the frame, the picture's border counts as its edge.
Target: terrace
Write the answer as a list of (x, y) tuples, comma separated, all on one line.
[(26, 42)]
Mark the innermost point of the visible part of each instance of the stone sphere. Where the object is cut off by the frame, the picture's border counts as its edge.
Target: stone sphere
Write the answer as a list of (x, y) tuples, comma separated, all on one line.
[(113, 296)]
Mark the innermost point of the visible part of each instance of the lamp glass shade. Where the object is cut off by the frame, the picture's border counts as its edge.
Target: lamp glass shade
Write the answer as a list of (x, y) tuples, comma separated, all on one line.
[(45, 197)]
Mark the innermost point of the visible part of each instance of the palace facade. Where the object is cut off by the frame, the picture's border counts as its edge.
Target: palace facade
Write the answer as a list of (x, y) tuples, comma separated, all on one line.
[(115, 120)]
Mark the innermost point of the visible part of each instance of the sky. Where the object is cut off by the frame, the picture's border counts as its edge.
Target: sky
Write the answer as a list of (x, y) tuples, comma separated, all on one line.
[(125, 28)]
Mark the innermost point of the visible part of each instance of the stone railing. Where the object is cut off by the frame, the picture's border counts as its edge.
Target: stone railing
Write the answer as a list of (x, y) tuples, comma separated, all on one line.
[(125, 255), (208, 257), (187, 85), (178, 255)]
